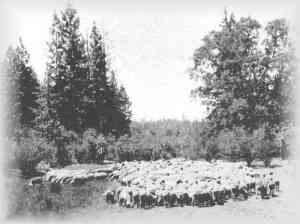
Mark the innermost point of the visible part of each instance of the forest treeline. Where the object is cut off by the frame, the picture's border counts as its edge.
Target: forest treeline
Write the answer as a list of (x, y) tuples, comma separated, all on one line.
[(80, 92), (81, 114)]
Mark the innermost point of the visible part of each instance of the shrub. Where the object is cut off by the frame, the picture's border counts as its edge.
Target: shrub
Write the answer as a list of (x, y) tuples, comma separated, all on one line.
[(65, 141), (112, 150), (240, 144), (89, 144), (283, 138), (30, 151), (228, 145), (267, 151), (42, 199)]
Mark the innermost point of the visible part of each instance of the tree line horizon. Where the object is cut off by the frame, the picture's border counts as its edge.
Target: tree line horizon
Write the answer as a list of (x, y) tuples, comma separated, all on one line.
[(79, 109)]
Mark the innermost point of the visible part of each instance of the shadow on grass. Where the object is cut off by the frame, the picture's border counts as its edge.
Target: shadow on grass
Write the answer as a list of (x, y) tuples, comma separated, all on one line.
[(42, 201)]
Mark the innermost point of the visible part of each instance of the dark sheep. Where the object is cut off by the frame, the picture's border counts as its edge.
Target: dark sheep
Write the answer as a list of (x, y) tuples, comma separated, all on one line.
[(110, 197), (277, 183)]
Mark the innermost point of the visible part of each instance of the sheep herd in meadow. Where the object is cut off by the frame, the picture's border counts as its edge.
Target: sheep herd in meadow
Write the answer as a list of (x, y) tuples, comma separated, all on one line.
[(182, 182)]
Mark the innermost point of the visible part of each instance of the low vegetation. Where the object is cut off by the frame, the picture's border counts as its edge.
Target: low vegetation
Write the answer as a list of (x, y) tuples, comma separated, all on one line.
[(46, 199)]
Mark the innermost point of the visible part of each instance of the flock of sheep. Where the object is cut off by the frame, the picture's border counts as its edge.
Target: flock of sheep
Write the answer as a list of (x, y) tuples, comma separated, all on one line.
[(180, 182), (75, 174), (175, 182)]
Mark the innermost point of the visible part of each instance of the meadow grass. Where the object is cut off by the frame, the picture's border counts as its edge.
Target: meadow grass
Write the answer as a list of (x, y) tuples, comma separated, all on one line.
[(48, 199)]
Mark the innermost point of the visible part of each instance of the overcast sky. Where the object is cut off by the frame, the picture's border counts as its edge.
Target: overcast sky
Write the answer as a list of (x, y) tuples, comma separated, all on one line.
[(151, 44)]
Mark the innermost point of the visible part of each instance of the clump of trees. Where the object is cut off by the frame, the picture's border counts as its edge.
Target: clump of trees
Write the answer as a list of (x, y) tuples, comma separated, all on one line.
[(162, 139), (246, 78), (80, 93), (82, 90)]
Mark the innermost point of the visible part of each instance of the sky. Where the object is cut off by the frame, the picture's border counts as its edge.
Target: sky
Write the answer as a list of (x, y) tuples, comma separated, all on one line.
[(151, 43)]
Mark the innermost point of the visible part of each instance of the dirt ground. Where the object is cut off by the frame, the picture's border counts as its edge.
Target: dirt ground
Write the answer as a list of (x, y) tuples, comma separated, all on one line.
[(281, 209)]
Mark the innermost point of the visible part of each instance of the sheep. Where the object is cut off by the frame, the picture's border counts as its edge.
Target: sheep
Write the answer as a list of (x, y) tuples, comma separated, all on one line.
[(180, 182)]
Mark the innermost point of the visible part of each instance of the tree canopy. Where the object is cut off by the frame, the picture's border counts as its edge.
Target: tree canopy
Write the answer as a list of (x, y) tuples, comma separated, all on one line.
[(246, 80), (82, 90), (21, 89)]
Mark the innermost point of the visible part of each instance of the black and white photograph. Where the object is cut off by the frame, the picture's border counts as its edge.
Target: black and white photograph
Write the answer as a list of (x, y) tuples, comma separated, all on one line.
[(149, 111)]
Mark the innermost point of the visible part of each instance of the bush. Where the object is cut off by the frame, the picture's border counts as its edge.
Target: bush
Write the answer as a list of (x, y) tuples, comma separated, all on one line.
[(41, 200), (148, 141), (239, 144), (89, 145), (66, 142), (81, 153), (228, 145), (111, 151), (211, 150), (91, 148), (284, 137), (267, 152), (30, 151)]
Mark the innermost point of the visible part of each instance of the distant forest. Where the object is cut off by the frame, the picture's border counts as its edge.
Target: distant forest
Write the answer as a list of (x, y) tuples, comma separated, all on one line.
[(81, 114)]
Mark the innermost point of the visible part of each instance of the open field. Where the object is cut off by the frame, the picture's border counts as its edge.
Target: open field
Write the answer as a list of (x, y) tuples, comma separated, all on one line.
[(93, 207)]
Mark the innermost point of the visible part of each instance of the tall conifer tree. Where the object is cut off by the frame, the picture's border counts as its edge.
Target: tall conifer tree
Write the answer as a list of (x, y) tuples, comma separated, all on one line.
[(67, 72), (98, 86), (119, 113), (22, 89), (109, 111)]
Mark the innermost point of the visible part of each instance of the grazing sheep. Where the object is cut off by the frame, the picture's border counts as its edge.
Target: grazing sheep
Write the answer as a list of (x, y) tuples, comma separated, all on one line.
[(180, 182)]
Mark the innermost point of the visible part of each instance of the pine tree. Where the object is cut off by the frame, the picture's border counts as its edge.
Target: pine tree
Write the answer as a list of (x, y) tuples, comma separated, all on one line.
[(43, 121), (67, 72), (118, 108), (109, 108), (10, 72), (98, 82), (124, 112), (22, 89), (80, 94)]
